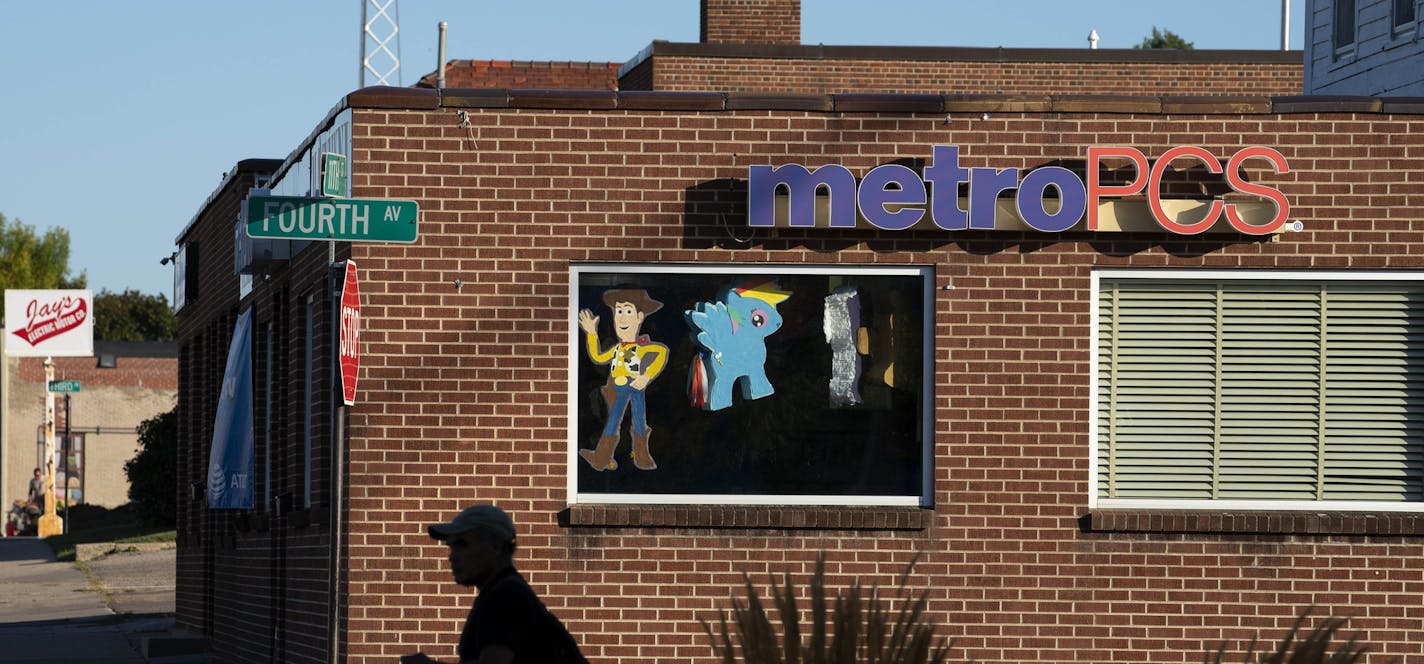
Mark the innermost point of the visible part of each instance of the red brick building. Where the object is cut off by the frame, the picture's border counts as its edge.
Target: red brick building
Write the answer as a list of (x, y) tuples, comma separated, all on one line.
[(1107, 436)]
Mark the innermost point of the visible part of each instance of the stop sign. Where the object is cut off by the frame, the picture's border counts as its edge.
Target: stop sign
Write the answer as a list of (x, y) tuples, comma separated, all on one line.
[(350, 342)]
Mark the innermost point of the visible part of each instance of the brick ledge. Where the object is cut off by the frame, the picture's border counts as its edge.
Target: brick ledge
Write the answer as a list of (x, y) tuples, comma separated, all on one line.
[(427, 99), (749, 516), (1285, 523)]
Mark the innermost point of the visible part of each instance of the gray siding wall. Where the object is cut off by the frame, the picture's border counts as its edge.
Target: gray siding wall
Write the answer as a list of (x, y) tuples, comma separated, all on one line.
[(1383, 62)]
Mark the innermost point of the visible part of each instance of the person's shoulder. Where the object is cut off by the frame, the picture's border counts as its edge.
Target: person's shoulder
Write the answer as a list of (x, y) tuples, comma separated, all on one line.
[(509, 585)]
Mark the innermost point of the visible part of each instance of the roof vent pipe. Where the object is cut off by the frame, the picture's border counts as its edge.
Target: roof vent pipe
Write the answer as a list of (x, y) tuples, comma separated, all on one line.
[(1093, 39), (1285, 25), (440, 66)]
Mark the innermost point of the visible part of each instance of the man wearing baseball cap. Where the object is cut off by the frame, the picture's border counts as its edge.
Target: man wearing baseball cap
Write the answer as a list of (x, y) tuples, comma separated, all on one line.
[(508, 624)]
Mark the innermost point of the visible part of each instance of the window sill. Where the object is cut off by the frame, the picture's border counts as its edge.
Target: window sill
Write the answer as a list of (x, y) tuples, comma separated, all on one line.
[(1401, 37), (1260, 523), (1342, 58), (747, 517)]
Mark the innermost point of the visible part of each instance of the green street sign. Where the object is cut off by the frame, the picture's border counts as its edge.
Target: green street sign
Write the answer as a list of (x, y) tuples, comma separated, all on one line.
[(348, 219), (334, 174), (64, 386)]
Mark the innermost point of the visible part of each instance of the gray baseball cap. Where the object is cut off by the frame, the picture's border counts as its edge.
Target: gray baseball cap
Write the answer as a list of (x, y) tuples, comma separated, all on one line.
[(488, 517)]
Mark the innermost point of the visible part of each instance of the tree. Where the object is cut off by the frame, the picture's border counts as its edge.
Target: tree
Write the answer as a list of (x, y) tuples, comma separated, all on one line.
[(1164, 38), (133, 316), (28, 260), (153, 471)]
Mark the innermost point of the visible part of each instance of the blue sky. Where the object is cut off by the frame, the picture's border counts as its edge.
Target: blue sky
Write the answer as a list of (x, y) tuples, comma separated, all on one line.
[(119, 117)]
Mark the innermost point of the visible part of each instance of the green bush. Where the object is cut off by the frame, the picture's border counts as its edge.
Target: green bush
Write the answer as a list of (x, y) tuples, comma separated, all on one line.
[(859, 628), (153, 472)]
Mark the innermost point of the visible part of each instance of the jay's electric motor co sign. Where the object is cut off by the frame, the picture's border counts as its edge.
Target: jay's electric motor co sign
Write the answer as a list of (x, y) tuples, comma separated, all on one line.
[(49, 323)]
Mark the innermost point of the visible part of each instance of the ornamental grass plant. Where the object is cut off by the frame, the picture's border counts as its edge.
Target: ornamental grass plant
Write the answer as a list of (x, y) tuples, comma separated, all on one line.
[(1312, 648), (855, 626)]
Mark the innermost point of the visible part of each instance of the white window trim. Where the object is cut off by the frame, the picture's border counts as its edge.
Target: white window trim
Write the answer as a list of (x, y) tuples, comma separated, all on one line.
[(1094, 502), (926, 497), (1402, 33)]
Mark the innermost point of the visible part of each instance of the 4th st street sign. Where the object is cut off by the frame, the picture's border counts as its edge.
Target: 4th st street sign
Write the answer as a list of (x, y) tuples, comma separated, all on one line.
[(347, 219)]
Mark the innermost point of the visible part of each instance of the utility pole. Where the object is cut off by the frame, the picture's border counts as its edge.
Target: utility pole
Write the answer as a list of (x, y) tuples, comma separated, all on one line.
[(64, 450), (50, 523), (1285, 25)]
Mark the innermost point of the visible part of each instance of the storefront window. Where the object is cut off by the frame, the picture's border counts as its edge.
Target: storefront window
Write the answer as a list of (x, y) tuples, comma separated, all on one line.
[(750, 385), (1254, 390)]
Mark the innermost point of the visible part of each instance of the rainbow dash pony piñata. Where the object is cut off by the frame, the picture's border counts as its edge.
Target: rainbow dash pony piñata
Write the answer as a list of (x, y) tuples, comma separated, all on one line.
[(732, 334)]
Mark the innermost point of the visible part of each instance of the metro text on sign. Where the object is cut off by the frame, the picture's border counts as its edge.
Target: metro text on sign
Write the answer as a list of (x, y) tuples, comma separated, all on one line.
[(348, 219)]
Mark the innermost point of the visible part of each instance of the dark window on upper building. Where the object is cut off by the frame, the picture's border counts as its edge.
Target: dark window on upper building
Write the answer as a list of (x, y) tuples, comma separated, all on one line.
[(1344, 31), (1403, 15)]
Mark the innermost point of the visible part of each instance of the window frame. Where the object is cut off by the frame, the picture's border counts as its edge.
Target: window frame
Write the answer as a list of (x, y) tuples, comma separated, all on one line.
[(1341, 48), (1403, 30), (927, 375), (1197, 504)]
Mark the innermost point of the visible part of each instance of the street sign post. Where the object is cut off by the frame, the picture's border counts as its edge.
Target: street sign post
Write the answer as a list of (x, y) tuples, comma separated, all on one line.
[(346, 219), (350, 334), (333, 174), (63, 386)]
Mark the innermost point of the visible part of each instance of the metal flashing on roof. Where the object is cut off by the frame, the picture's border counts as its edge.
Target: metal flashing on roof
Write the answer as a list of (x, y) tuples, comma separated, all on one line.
[(243, 167), (893, 102), (136, 348)]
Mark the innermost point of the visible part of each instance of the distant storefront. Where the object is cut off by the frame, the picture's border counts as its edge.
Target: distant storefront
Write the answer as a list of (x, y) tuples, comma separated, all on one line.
[(120, 386)]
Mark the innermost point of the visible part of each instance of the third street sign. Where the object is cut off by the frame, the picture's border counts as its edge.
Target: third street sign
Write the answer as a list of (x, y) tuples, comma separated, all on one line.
[(349, 219)]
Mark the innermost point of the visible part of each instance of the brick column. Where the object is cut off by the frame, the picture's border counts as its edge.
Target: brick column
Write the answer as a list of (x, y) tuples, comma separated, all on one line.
[(751, 22)]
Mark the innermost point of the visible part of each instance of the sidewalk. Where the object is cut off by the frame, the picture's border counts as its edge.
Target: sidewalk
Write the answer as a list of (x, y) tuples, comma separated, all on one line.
[(53, 612)]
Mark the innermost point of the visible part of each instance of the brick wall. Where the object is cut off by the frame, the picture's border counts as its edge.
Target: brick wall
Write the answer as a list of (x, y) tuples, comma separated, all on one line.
[(837, 69), (464, 387), (825, 77), (204, 330), (1014, 575), (750, 21), (111, 404), (255, 581), (530, 75), (156, 373)]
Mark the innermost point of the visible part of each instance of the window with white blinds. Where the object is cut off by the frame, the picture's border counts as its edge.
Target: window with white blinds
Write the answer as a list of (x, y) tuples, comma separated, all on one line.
[(1260, 392)]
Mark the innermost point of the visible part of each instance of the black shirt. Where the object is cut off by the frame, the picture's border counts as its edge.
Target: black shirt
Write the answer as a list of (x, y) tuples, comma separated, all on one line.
[(508, 613)]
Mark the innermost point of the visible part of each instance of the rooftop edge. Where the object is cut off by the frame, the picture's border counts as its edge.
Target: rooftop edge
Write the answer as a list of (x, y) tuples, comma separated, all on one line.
[(430, 99), (961, 54)]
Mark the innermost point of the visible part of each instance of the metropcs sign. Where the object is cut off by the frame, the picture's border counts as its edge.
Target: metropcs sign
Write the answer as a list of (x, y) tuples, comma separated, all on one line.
[(894, 197)]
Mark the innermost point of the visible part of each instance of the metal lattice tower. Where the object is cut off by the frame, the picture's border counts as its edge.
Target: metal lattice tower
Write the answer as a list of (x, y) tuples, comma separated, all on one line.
[(380, 33)]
